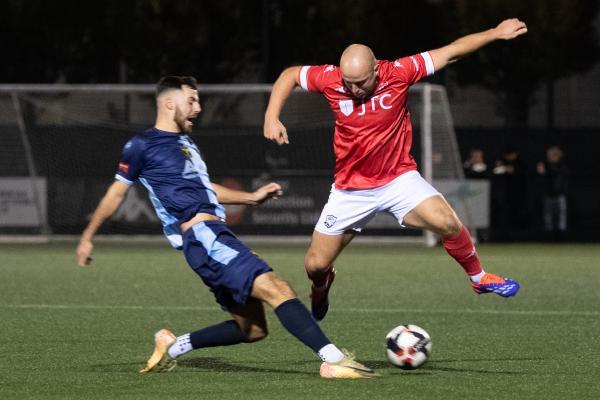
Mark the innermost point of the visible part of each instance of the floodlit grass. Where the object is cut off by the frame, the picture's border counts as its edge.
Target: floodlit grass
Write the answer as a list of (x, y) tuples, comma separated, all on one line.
[(71, 332)]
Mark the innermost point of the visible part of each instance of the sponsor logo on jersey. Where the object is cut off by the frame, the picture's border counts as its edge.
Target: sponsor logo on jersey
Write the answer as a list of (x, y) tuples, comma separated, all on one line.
[(330, 68), (330, 220), (340, 89), (346, 107), (398, 64), (383, 85), (123, 167), (376, 103)]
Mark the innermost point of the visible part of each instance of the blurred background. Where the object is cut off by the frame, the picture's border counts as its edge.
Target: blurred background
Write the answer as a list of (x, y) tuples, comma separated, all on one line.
[(518, 126)]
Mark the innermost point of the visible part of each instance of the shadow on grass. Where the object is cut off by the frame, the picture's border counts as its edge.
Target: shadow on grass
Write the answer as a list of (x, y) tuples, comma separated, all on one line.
[(211, 364), (214, 364), (118, 367), (217, 365)]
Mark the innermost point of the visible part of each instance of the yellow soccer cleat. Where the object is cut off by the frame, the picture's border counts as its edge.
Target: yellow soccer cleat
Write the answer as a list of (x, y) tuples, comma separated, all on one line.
[(160, 360), (346, 368)]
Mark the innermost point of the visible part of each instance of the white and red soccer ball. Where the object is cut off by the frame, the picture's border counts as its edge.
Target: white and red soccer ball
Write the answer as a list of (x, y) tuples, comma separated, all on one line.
[(408, 346)]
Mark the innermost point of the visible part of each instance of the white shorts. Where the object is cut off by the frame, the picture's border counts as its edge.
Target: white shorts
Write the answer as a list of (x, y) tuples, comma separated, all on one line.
[(353, 209)]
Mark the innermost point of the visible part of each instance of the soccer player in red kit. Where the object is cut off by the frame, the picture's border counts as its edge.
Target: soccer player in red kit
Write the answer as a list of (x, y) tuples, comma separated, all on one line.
[(374, 171)]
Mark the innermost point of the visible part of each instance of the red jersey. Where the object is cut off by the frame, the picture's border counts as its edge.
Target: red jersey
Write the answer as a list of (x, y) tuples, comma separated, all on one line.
[(373, 136)]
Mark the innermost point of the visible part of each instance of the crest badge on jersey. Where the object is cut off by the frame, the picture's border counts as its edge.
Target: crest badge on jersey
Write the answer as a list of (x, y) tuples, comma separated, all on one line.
[(330, 220), (346, 107), (186, 151)]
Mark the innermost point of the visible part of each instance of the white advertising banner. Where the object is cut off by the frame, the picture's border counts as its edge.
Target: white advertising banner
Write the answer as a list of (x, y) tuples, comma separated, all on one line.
[(18, 203)]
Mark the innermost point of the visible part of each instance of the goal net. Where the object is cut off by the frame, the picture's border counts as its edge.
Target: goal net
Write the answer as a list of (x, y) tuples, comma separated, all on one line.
[(60, 146)]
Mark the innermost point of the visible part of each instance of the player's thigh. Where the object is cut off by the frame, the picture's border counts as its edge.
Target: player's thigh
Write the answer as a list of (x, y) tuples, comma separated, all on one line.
[(324, 249), (251, 319), (434, 214)]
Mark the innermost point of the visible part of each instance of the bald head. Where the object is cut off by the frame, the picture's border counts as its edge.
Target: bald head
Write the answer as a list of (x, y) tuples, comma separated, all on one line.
[(359, 69), (357, 60)]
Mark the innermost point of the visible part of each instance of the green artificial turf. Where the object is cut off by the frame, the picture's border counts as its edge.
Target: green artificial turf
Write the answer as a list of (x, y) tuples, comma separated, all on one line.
[(71, 332)]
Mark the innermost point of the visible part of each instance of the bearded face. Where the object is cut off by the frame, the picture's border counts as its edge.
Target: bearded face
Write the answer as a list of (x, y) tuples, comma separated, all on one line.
[(184, 120)]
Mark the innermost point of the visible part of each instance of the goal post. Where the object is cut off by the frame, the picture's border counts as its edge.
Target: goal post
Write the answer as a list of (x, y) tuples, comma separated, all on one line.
[(68, 138)]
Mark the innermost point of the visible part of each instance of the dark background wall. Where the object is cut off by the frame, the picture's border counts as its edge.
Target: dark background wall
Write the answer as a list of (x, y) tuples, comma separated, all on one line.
[(82, 157), (541, 89)]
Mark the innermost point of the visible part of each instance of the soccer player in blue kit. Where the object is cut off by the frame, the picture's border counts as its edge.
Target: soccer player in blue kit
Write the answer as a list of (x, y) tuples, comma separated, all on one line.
[(166, 161)]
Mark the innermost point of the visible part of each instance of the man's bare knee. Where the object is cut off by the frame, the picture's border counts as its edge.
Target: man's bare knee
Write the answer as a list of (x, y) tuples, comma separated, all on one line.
[(285, 291), (315, 262), (451, 226), (272, 289), (282, 288)]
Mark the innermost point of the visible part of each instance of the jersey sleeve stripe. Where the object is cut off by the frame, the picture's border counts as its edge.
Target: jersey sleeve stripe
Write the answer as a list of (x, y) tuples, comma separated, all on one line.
[(124, 180), (428, 63), (304, 77)]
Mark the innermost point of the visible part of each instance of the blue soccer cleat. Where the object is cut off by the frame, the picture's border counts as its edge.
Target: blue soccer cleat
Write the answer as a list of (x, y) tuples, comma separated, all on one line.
[(319, 297), (491, 283)]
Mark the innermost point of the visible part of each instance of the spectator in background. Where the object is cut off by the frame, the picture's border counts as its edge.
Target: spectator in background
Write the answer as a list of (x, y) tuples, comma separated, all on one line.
[(509, 194), (510, 164), (475, 166), (554, 174)]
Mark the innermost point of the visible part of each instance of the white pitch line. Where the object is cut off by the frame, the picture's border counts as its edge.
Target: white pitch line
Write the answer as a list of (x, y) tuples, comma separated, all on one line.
[(470, 311), (105, 307), (345, 310)]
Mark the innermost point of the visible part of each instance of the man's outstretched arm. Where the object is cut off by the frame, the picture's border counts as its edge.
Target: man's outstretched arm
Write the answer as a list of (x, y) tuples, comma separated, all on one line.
[(232, 196), (506, 30), (108, 205), (273, 128)]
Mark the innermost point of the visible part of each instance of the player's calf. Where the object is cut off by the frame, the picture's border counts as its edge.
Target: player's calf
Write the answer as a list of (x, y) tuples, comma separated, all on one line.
[(255, 333), (319, 296)]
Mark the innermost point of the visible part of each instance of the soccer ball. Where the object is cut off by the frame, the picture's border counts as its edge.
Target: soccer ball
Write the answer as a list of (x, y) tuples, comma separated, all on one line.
[(408, 346)]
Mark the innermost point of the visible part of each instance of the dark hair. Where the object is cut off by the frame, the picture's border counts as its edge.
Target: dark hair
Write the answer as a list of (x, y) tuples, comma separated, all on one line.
[(174, 82)]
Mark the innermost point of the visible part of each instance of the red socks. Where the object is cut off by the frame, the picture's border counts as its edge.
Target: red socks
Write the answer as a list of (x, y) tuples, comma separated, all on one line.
[(462, 250)]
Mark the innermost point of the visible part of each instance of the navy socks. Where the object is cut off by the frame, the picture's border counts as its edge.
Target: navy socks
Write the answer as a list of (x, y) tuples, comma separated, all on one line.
[(223, 334), (294, 317)]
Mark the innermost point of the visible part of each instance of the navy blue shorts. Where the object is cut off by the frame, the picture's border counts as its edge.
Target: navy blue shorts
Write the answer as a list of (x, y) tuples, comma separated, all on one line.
[(225, 264)]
